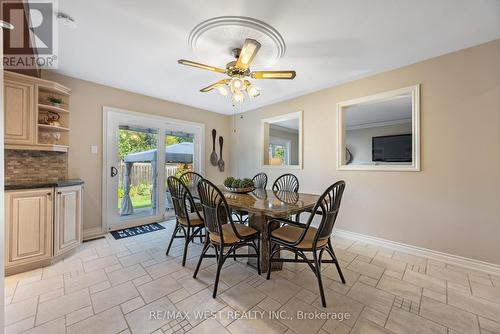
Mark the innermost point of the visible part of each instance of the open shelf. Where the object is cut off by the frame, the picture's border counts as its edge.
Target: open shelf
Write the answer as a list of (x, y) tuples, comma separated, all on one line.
[(48, 107), (52, 128)]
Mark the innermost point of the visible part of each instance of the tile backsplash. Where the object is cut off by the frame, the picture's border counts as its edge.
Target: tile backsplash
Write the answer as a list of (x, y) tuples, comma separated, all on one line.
[(34, 166)]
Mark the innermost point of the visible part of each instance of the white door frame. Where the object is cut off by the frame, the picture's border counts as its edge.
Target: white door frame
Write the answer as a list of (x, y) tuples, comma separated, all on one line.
[(113, 116)]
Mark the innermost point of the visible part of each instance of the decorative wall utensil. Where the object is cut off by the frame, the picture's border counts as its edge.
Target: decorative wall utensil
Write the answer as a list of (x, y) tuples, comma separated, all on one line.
[(221, 162), (213, 157)]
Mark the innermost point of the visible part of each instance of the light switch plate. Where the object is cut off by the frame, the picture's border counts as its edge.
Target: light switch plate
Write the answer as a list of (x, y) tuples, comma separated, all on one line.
[(93, 149)]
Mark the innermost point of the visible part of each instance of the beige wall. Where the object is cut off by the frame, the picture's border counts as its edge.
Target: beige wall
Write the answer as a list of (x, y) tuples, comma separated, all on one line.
[(453, 204), (87, 100)]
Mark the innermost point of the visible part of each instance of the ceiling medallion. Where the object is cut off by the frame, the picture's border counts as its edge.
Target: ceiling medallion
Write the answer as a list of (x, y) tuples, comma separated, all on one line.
[(240, 38)]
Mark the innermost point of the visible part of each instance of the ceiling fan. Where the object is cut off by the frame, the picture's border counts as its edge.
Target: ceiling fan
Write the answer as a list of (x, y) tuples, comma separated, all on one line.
[(237, 70)]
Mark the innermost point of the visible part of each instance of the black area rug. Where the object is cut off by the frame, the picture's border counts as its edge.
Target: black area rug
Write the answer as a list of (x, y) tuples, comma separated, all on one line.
[(133, 231)]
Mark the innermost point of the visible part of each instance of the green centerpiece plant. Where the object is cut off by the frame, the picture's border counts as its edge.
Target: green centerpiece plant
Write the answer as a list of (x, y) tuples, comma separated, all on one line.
[(239, 185)]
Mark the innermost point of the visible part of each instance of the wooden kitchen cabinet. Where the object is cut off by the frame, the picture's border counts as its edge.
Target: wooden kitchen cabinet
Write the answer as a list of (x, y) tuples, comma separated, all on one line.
[(67, 219), (28, 226), (19, 116)]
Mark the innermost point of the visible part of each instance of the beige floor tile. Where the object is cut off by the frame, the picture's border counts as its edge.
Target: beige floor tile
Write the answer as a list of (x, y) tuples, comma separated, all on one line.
[(293, 320), (364, 326), (242, 297), (132, 305), (365, 250), (18, 311), (142, 280), (53, 327), (61, 306), (208, 327), (113, 296), (107, 322), (134, 258), (367, 269), (373, 297), (308, 280), (389, 264), (99, 287), (85, 280), (126, 274), (449, 275), (335, 327), (374, 316), (235, 273), (487, 292), (449, 316), (158, 288), (36, 288), (197, 304), (496, 280), (100, 263), (79, 315), (269, 305), (480, 279), (20, 326), (474, 304), (307, 296), (489, 325), (279, 289), (337, 303), (425, 281), (59, 268), (141, 320), (368, 280), (400, 288), (110, 250), (178, 295), (440, 297), (403, 322), (50, 295), (350, 276), (258, 325), (410, 259), (163, 268)]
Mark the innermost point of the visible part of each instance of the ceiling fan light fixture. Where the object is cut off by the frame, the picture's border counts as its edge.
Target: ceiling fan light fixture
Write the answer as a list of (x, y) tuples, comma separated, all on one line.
[(237, 97), (253, 91), (223, 90), (237, 84)]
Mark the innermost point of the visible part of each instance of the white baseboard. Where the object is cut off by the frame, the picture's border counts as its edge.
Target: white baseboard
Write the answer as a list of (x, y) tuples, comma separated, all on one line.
[(467, 263)]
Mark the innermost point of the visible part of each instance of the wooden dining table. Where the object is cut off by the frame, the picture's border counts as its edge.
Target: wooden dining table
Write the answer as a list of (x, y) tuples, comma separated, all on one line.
[(264, 205)]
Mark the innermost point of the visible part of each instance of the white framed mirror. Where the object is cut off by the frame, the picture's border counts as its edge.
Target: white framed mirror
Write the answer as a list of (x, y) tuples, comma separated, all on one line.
[(380, 132), (282, 141)]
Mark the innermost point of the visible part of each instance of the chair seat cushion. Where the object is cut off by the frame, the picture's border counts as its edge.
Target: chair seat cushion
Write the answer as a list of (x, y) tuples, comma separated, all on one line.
[(230, 237), (291, 234), (194, 220)]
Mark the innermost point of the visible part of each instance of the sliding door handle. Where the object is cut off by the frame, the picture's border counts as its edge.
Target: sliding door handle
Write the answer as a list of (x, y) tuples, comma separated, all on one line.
[(114, 171)]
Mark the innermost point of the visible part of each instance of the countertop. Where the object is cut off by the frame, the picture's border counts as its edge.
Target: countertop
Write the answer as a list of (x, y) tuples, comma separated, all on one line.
[(38, 185)]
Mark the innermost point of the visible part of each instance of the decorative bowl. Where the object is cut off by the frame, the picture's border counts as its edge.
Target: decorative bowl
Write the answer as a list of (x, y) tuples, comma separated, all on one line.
[(240, 190)]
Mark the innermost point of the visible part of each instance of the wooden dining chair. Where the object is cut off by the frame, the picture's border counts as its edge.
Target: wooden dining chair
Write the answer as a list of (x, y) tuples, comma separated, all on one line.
[(190, 180), (190, 223), (301, 238), (259, 182), (223, 232), (286, 182)]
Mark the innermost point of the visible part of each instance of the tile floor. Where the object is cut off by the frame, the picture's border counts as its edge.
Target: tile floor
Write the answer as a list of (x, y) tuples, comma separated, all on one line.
[(130, 286)]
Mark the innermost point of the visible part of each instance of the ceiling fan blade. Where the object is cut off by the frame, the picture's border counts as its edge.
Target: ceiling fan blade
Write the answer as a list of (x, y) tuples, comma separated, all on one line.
[(273, 75), (212, 86), (247, 53), (202, 66)]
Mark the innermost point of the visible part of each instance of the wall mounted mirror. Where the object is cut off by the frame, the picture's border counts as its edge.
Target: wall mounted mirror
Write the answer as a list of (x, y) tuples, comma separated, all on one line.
[(282, 141), (380, 132)]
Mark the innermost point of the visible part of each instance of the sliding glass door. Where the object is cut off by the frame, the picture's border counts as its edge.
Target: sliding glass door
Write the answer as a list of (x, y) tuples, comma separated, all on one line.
[(141, 152)]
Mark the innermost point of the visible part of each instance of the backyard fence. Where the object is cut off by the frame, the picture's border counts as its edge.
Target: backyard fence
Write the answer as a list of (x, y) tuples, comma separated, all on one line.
[(142, 173)]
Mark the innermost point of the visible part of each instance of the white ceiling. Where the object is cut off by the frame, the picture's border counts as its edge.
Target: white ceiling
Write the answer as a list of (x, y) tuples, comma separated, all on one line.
[(398, 109), (290, 124), (134, 45)]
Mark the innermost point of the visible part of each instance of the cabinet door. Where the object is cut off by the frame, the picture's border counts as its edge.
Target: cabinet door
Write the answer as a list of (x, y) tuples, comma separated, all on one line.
[(68, 219), (28, 217), (19, 113)]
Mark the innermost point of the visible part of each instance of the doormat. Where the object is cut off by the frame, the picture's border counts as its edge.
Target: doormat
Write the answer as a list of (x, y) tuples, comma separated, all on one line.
[(133, 231)]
